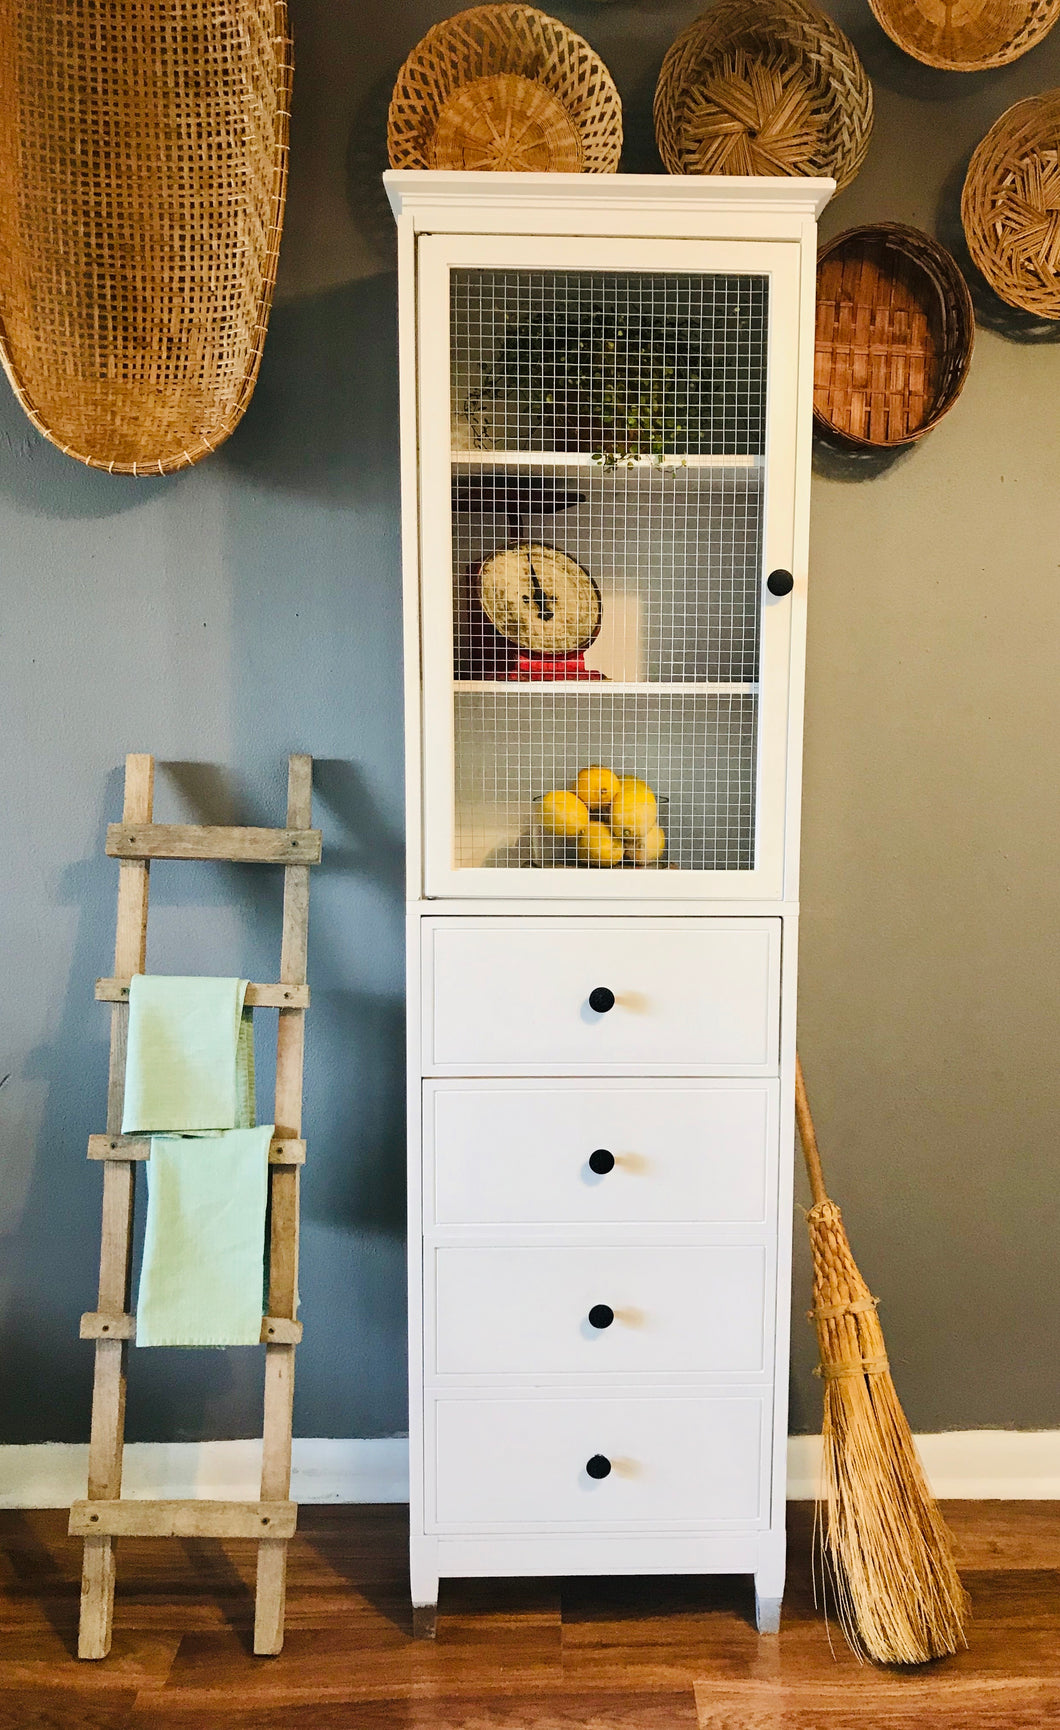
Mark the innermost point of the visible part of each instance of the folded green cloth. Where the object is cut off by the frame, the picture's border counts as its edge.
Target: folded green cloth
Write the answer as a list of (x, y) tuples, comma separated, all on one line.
[(190, 1062), (204, 1246)]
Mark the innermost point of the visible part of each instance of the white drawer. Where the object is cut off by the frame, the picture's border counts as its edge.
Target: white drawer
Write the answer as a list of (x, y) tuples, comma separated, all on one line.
[(512, 995), (497, 1153), (521, 1462), (688, 1309)]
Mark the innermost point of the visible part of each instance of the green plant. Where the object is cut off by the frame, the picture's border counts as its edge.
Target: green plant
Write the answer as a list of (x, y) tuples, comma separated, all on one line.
[(621, 387)]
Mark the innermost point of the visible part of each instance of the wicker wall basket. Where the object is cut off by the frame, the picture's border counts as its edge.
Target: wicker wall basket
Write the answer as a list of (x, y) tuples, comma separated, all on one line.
[(505, 88), (763, 87), (968, 36), (143, 161), (1010, 205), (895, 329)]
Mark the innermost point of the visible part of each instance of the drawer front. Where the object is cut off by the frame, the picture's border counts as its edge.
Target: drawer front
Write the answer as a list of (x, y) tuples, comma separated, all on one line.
[(512, 995), (521, 1462), (687, 1309), (497, 1153)]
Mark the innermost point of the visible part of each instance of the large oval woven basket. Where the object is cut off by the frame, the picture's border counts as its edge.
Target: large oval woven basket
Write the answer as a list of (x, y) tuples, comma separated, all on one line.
[(143, 158), (895, 329), (763, 87), (505, 88), (1010, 205), (970, 36)]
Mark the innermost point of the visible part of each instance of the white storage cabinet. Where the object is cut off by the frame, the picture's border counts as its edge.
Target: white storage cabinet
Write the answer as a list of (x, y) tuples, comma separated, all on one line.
[(605, 398)]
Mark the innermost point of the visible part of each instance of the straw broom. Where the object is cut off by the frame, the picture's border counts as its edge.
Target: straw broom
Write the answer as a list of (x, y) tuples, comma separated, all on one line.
[(899, 1595)]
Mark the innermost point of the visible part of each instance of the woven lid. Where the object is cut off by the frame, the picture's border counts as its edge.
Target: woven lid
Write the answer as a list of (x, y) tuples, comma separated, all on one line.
[(143, 158), (1010, 205), (894, 334), (502, 88), (763, 87), (969, 35)]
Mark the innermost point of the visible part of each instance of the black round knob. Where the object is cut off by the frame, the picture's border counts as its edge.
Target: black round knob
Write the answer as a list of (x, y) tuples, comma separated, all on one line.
[(601, 1160), (601, 1316), (599, 1466), (601, 999), (780, 582)]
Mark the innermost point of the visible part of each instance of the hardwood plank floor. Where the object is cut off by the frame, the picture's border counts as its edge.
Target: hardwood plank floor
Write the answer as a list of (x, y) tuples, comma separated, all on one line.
[(609, 1654)]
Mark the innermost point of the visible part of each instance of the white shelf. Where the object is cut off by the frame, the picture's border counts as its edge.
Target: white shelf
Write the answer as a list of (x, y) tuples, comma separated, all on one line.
[(642, 687), (495, 459)]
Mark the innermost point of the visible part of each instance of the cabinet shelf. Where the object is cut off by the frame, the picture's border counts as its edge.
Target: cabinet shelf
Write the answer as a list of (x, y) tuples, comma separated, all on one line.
[(611, 688), (585, 460)]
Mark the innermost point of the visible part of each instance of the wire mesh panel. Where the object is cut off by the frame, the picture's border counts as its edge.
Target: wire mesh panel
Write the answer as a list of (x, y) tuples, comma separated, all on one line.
[(693, 752), (607, 520), (659, 567), (649, 365)]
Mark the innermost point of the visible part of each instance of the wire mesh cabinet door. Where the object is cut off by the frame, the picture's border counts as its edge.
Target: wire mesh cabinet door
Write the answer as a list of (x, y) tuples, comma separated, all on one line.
[(608, 530)]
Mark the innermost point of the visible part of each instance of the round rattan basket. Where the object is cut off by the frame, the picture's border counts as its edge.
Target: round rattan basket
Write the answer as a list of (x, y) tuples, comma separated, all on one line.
[(970, 36), (143, 166), (1010, 205), (763, 87), (895, 329), (505, 88)]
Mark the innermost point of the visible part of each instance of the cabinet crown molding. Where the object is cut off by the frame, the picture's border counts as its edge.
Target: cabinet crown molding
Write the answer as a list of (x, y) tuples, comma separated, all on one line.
[(421, 192)]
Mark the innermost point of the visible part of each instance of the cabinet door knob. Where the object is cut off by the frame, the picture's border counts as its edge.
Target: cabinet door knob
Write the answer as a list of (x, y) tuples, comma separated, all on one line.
[(601, 999), (780, 582), (601, 1316), (599, 1466), (601, 1160)]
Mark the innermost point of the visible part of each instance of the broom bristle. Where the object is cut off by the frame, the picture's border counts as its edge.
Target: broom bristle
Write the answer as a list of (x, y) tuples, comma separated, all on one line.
[(899, 1595)]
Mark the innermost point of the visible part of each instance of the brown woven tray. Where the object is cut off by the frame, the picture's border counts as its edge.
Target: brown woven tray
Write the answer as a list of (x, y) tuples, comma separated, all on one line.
[(143, 162), (969, 37), (895, 328), (505, 88), (763, 87), (1010, 202)]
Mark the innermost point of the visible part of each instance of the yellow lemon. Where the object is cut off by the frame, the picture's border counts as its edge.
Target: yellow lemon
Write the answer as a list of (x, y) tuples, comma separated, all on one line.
[(597, 846), (562, 813), (597, 787), (633, 810), (646, 849)]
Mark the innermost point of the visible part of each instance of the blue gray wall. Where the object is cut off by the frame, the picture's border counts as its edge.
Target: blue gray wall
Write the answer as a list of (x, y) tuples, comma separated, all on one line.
[(250, 606)]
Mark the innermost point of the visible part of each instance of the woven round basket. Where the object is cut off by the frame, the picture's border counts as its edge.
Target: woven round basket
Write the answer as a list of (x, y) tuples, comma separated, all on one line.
[(969, 36), (1010, 205), (143, 166), (505, 87), (895, 329), (763, 87)]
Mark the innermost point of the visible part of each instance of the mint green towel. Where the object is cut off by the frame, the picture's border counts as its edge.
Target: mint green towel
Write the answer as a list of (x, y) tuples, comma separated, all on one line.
[(204, 1247), (190, 1055)]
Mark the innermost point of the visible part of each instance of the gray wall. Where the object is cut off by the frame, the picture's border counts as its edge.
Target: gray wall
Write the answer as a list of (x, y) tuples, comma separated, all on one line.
[(251, 606)]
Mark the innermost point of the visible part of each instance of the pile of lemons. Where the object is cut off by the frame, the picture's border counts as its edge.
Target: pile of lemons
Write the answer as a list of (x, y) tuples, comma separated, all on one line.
[(610, 819)]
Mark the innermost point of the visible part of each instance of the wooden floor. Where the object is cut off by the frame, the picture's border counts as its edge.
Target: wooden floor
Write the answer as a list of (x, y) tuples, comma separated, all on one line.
[(613, 1654)]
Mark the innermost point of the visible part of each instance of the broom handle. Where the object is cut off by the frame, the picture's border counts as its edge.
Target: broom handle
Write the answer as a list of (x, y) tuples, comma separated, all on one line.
[(810, 1150)]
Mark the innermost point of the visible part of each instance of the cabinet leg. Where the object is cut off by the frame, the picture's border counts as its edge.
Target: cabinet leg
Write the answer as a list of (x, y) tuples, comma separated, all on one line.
[(767, 1611), (424, 1618), (423, 1579)]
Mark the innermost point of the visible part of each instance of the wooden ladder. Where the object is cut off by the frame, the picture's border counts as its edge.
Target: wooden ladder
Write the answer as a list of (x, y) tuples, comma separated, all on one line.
[(104, 1516)]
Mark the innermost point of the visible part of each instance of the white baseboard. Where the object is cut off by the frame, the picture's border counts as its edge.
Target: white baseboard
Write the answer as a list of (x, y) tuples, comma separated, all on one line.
[(54, 1474), (961, 1465), (1017, 1465)]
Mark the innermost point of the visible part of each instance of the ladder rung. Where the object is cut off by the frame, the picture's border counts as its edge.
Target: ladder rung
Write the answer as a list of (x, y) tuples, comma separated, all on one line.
[(283, 1150), (99, 1325), (188, 1519), (213, 841), (278, 996)]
